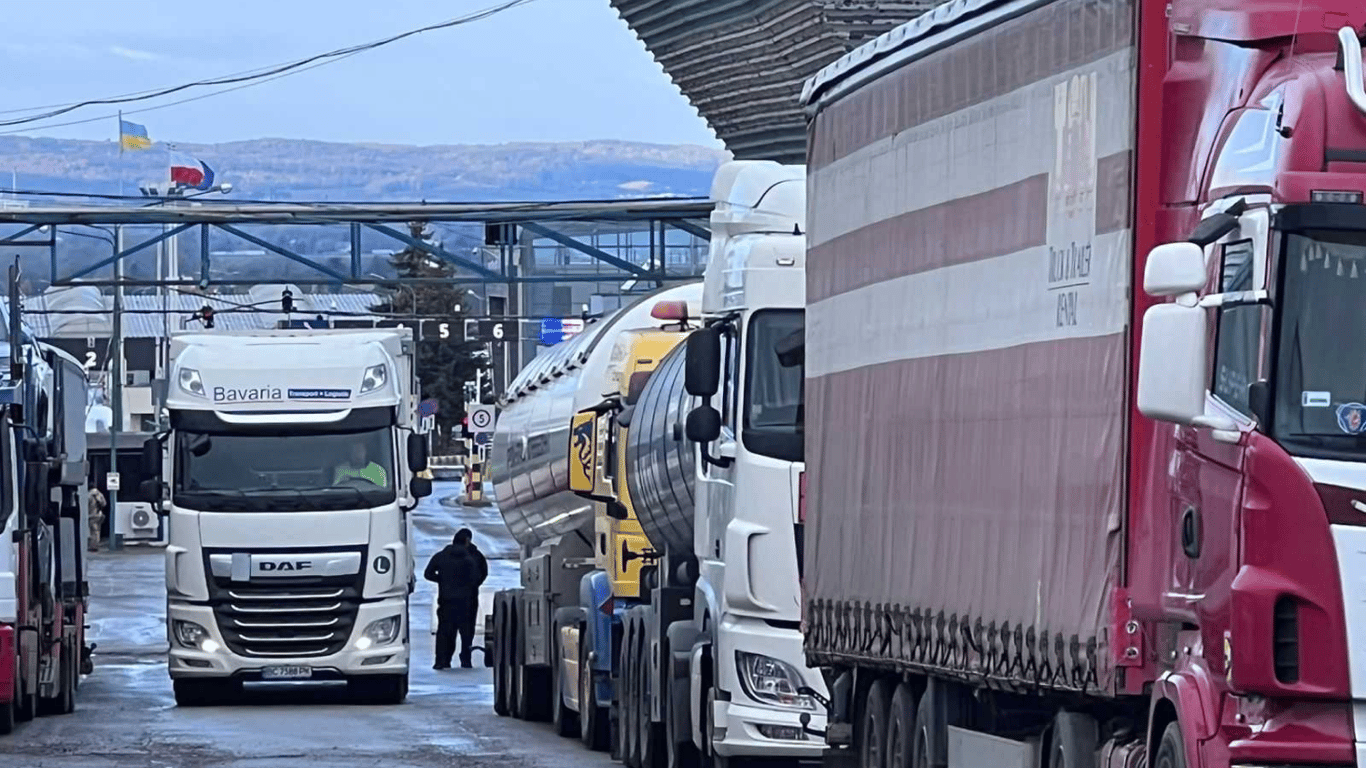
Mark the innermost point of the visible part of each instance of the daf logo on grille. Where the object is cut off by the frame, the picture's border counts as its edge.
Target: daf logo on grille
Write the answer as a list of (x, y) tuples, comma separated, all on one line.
[(382, 564), (267, 566)]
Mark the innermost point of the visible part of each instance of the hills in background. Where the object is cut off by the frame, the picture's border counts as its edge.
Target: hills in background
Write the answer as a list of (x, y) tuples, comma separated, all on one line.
[(293, 169)]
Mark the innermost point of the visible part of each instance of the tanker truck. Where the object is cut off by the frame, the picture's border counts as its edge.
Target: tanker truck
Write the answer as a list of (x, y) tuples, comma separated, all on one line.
[(681, 643), (1085, 456)]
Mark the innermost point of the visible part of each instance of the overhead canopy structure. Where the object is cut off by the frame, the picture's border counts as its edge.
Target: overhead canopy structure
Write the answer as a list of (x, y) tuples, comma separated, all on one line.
[(742, 63), (557, 222)]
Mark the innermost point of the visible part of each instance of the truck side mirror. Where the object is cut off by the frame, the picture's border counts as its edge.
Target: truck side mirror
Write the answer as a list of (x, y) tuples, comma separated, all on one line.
[(420, 487), (150, 492), (1174, 269), (702, 367), (151, 458), (417, 452), (1173, 364), (704, 424)]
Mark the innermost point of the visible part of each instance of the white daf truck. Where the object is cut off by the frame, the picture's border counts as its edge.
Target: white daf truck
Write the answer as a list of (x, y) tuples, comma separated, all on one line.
[(288, 474)]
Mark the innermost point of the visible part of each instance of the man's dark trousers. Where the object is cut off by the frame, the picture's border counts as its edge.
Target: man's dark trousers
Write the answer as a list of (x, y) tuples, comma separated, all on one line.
[(454, 617)]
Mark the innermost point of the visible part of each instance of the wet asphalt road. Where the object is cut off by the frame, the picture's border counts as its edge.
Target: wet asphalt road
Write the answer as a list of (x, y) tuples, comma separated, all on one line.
[(126, 715)]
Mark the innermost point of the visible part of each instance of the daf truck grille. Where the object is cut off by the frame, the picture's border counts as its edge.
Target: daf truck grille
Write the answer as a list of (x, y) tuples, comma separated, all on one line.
[(286, 620)]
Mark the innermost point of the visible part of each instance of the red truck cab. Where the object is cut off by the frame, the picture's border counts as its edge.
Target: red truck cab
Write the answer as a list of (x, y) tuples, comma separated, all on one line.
[(1247, 539)]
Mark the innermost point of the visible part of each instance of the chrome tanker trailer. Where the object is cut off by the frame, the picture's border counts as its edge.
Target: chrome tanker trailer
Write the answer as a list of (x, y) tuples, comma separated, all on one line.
[(553, 527)]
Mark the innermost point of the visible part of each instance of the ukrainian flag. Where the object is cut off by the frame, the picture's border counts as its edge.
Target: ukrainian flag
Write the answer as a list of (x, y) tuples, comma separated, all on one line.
[(133, 136)]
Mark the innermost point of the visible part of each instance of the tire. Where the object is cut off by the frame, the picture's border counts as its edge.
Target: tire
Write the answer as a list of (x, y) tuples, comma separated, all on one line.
[(921, 737), (630, 730), (653, 753), (564, 720), (379, 690), (204, 692), (595, 729), (1075, 740), (872, 731), (500, 667), (516, 685), (8, 716), (682, 753), (1171, 750), (901, 729), (64, 703)]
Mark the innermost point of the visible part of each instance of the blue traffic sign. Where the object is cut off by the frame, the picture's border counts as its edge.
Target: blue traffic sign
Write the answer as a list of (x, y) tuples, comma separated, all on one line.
[(427, 408), (552, 331)]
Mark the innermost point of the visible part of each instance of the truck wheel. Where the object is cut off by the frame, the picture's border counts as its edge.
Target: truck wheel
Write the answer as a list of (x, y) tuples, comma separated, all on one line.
[(872, 732), (921, 735), (380, 690), (1075, 738), (594, 725), (901, 729), (1171, 752), (64, 702), (630, 730), (682, 753), (8, 717), (202, 692), (564, 720), (652, 750), (500, 666)]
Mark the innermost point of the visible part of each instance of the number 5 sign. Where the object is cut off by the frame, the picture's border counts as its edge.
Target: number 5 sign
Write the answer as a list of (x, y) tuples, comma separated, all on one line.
[(481, 418)]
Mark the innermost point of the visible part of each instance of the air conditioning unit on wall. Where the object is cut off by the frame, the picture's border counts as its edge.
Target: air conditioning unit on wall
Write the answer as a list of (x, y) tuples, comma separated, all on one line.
[(136, 521)]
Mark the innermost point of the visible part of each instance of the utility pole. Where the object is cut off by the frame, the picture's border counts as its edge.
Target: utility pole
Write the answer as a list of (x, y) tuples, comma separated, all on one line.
[(116, 369)]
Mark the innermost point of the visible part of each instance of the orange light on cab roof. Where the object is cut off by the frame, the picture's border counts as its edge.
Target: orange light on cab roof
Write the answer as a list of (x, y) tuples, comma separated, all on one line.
[(676, 311)]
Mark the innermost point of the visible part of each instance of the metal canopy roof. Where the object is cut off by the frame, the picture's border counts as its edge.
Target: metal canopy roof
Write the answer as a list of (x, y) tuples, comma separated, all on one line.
[(742, 63)]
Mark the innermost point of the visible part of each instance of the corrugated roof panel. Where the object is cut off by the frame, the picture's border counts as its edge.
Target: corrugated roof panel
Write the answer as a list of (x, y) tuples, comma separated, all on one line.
[(742, 63), (143, 316)]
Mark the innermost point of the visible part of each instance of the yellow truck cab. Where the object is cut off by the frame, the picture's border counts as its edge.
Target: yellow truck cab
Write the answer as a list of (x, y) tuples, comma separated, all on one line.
[(597, 457)]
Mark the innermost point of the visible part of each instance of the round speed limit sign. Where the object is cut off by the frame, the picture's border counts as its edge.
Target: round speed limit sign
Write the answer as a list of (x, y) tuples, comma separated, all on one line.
[(481, 418)]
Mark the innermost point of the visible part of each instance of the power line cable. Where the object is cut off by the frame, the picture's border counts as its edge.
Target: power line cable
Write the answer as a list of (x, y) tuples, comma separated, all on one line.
[(268, 73)]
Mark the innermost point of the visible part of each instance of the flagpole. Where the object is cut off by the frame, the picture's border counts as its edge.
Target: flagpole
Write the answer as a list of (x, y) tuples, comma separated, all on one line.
[(120, 140)]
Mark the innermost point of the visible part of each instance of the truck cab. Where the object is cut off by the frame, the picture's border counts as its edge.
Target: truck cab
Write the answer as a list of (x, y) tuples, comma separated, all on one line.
[(292, 464), (749, 675)]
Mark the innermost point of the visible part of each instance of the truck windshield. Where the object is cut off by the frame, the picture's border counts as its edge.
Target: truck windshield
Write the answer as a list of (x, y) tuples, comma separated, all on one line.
[(233, 470), (1320, 408), (773, 392)]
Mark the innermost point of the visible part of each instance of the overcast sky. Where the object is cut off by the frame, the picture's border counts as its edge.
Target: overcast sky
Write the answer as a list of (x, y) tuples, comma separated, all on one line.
[(554, 70)]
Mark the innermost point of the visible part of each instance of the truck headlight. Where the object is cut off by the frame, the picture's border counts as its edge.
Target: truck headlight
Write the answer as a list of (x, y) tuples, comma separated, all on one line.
[(190, 382), (380, 632), (374, 378), (191, 635), (771, 681)]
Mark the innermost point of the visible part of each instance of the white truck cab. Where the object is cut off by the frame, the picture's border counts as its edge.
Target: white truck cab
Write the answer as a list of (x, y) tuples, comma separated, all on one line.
[(751, 685), (290, 471)]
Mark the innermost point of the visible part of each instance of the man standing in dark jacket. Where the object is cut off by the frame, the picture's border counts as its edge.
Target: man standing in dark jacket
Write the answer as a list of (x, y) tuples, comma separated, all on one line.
[(458, 571)]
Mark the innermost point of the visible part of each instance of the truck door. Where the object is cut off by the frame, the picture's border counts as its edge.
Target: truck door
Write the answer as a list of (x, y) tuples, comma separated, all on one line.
[(1208, 481)]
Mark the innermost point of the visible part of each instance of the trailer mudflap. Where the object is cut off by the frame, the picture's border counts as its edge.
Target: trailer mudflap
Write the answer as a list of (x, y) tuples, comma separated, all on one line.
[(8, 666)]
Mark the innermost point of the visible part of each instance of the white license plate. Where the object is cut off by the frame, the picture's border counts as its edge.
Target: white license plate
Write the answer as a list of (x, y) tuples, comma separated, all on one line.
[(286, 673)]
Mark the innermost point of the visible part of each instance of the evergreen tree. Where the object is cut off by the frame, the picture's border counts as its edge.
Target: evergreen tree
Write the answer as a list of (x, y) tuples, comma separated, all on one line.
[(443, 366)]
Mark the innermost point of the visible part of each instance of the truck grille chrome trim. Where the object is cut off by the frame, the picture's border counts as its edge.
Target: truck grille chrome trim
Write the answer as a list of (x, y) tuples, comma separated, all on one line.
[(237, 595), (287, 639), (274, 618), (292, 624)]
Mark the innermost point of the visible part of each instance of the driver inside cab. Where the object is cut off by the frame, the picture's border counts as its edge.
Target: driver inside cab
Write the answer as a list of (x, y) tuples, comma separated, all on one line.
[(360, 467)]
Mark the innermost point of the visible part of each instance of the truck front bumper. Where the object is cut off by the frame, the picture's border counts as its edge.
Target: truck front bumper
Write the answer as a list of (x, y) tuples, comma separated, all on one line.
[(752, 728), (214, 659)]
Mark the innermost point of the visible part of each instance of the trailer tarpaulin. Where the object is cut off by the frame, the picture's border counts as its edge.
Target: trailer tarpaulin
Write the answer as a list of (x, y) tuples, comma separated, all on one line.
[(968, 276)]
